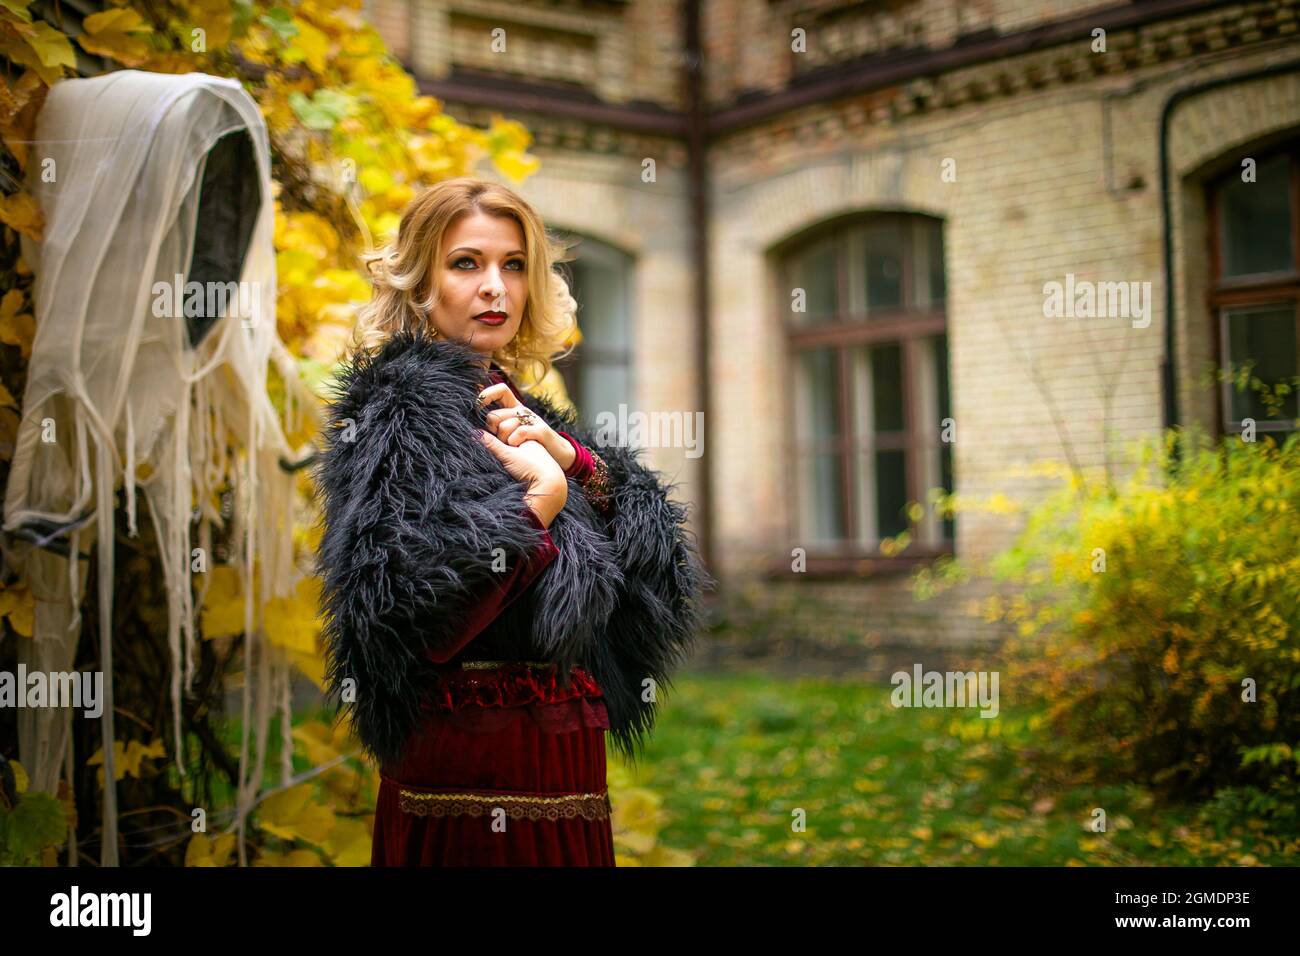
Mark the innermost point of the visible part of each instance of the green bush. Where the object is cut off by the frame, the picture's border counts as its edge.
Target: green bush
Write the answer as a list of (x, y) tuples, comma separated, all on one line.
[(1148, 615)]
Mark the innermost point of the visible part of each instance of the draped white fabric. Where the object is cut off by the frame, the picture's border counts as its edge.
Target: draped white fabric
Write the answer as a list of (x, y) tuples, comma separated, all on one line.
[(116, 395)]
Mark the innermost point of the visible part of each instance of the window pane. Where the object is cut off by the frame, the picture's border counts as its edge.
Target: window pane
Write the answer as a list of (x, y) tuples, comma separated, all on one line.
[(945, 411), (605, 386), (602, 290), (883, 265), (813, 269), (818, 398), (599, 372), (1256, 220), (891, 492), (820, 488), (881, 481), (938, 284), (926, 268), (821, 497), (1267, 336), (887, 388)]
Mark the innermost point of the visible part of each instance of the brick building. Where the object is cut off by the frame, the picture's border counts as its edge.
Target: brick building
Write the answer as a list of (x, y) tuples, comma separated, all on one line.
[(842, 254)]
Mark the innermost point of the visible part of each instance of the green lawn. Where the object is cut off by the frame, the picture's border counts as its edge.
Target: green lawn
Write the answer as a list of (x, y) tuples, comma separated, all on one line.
[(734, 757)]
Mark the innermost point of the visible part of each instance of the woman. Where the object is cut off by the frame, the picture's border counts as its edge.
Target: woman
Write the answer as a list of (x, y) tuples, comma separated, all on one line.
[(497, 593)]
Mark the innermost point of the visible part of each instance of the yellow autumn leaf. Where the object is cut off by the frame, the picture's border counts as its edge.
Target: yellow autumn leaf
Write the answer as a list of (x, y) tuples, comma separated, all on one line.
[(10, 103), (21, 781), (1000, 504), (40, 46), (376, 180), (293, 815), (517, 166), (984, 840), (349, 842), (508, 141), (215, 18), (223, 605), (204, 851), (18, 8), (418, 110), (126, 759), (117, 33), (291, 623), (18, 606), (18, 330), (21, 212), (311, 666), (637, 819), (22, 617), (310, 46), (505, 133), (635, 841), (318, 741)]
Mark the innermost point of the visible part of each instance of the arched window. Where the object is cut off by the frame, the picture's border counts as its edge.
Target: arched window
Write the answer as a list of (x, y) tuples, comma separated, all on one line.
[(867, 338), (1255, 288), (598, 375)]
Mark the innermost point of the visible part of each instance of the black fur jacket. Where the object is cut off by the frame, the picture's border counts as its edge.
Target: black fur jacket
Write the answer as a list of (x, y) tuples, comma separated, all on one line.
[(413, 508)]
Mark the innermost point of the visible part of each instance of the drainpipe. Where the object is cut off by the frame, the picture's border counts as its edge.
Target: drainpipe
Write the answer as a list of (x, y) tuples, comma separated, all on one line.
[(699, 184)]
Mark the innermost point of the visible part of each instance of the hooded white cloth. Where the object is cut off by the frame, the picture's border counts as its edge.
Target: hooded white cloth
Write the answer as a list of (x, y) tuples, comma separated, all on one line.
[(117, 395)]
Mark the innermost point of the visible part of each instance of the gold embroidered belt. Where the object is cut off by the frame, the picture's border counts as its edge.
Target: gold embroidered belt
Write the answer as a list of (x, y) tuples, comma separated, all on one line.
[(565, 806), (482, 665)]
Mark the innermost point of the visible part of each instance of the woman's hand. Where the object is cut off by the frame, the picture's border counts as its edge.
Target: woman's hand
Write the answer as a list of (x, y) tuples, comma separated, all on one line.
[(529, 462), (507, 427)]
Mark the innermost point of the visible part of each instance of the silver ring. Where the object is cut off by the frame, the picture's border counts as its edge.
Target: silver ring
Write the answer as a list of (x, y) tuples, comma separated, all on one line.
[(525, 417)]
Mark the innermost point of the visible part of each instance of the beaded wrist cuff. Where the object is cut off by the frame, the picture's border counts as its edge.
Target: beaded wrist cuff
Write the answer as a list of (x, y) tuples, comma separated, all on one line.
[(598, 487)]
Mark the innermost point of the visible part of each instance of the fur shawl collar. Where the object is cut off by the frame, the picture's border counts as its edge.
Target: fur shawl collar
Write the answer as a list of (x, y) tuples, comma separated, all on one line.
[(414, 509)]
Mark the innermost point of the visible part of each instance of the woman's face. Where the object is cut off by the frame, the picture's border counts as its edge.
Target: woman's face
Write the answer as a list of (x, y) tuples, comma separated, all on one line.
[(482, 270)]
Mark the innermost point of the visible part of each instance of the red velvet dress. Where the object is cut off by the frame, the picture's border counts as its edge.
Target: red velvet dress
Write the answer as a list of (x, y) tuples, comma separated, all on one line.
[(508, 766)]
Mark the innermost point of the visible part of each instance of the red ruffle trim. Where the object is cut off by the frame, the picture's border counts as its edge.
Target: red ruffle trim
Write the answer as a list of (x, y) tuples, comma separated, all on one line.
[(508, 685), (484, 700)]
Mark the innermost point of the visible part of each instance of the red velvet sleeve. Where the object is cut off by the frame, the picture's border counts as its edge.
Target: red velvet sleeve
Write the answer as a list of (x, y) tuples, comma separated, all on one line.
[(583, 465), (512, 584)]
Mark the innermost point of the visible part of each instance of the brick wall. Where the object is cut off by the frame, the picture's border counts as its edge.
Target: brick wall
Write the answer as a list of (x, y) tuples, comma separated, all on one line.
[(1048, 182)]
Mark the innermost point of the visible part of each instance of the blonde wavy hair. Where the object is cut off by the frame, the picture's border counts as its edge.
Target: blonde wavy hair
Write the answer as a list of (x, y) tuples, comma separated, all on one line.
[(405, 287)]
